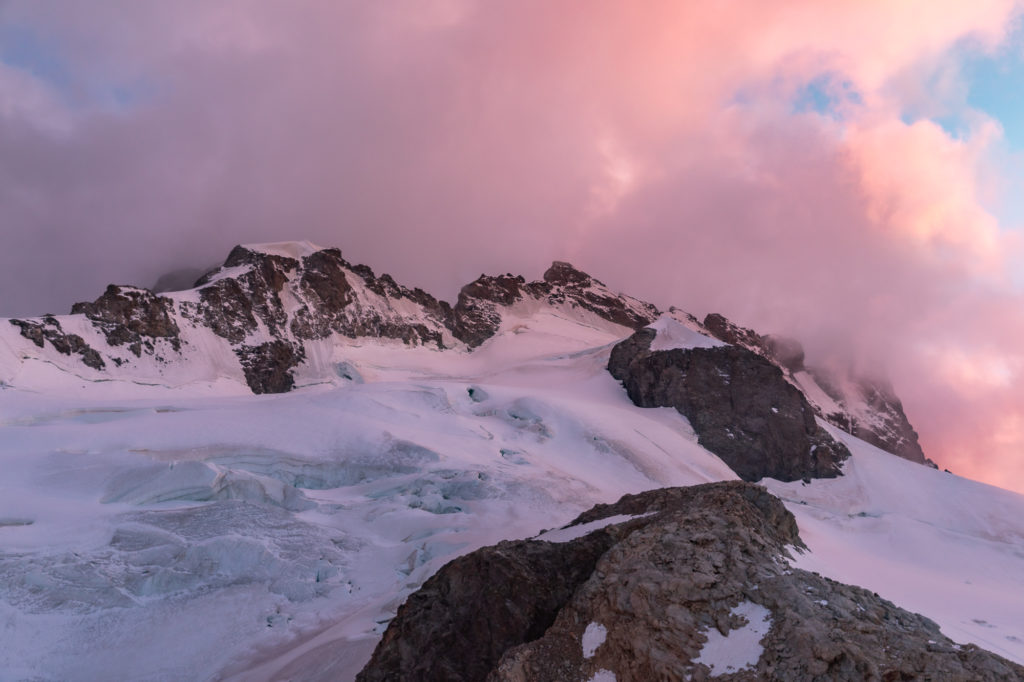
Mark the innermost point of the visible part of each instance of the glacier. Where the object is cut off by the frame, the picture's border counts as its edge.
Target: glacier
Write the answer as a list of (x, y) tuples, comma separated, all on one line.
[(178, 526)]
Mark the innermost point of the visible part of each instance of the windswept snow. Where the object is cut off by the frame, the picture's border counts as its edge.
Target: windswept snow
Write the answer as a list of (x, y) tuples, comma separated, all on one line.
[(949, 548), (572, 532), (295, 249), (673, 334)]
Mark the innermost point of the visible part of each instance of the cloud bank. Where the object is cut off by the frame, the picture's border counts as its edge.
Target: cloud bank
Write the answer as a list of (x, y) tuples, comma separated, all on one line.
[(765, 160)]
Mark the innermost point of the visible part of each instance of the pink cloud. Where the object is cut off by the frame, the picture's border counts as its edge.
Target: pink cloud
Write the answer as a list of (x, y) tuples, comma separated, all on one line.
[(658, 148)]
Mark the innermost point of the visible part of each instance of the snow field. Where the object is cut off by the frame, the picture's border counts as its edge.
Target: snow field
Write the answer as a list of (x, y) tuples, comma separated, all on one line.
[(191, 530)]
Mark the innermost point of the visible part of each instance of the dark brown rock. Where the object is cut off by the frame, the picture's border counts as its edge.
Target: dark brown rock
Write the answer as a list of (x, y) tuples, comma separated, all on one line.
[(33, 331), (226, 309), (564, 283), (49, 329), (516, 589), (662, 585), (268, 366), (476, 315), (323, 279), (132, 316), (739, 404), (887, 426)]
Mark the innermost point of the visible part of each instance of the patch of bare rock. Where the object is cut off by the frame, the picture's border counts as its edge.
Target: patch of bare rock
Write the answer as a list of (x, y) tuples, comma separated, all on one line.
[(694, 584)]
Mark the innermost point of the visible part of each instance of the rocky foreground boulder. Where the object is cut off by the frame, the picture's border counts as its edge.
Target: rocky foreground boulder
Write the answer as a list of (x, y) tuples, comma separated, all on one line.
[(739, 404), (680, 583)]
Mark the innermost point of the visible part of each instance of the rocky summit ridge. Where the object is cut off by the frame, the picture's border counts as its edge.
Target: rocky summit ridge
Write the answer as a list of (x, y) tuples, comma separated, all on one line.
[(273, 311)]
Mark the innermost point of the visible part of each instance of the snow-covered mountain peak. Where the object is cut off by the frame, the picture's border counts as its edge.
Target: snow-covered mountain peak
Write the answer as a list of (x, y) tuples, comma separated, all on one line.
[(279, 315), (276, 311), (293, 249), (674, 332)]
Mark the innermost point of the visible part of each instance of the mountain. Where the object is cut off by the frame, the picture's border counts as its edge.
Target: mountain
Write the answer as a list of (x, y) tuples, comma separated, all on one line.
[(280, 308), (247, 479), (273, 314)]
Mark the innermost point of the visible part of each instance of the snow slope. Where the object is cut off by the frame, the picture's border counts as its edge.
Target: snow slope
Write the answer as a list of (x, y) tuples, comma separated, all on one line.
[(200, 532)]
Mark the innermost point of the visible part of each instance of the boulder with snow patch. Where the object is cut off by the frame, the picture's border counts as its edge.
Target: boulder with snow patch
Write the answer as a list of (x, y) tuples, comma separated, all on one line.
[(690, 583)]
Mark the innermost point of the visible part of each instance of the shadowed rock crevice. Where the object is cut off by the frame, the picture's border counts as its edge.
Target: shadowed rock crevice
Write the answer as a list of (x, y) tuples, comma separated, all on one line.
[(739, 404)]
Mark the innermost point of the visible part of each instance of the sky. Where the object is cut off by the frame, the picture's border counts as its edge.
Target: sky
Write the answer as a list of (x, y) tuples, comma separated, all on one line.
[(849, 173)]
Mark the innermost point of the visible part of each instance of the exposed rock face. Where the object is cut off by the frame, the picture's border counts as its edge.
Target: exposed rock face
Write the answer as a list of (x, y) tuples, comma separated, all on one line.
[(653, 598), (133, 317), (268, 366), (868, 408), (478, 313), (517, 590), (268, 303), (566, 283), (225, 308), (330, 287), (739, 404), (49, 329)]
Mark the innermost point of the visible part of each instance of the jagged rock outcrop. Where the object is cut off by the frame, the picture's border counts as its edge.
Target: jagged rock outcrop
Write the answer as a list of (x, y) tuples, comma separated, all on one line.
[(268, 366), (269, 305), (865, 407), (49, 329), (739, 404), (683, 583), (133, 317), (564, 283), (477, 314), (869, 409)]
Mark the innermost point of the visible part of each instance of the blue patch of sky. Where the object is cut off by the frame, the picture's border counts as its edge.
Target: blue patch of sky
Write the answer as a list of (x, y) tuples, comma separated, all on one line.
[(828, 95), (996, 86), (25, 49)]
